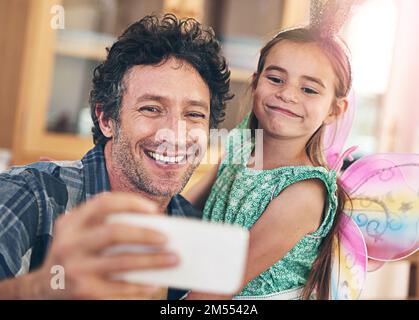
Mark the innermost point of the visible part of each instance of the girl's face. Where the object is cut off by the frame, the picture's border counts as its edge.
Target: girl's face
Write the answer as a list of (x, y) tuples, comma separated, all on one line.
[(295, 91)]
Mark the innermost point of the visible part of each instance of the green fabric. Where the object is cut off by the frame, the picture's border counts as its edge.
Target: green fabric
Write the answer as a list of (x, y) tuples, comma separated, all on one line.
[(240, 195)]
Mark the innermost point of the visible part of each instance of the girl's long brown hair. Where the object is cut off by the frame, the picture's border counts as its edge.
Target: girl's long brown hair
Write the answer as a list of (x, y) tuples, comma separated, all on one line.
[(337, 52)]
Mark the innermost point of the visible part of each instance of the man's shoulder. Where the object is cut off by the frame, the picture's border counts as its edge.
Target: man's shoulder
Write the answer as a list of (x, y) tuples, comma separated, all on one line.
[(46, 167), (43, 173), (50, 178), (31, 197)]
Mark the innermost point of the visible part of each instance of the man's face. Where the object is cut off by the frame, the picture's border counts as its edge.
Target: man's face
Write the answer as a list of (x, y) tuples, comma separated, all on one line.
[(164, 117)]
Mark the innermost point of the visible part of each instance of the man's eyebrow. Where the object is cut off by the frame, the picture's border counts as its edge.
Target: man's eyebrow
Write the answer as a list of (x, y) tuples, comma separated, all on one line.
[(198, 103), (309, 78), (149, 96), (160, 98)]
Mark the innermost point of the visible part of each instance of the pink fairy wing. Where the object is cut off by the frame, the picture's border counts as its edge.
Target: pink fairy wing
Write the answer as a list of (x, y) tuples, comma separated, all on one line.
[(374, 265), (349, 261), (384, 189), (336, 135)]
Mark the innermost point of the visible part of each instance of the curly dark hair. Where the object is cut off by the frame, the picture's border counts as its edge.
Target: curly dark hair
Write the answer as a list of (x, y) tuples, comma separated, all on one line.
[(151, 41)]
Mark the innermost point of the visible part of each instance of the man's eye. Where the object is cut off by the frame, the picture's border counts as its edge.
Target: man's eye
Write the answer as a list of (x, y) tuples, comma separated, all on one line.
[(149, 109), (309, 91), (196, 115), (275, 79)]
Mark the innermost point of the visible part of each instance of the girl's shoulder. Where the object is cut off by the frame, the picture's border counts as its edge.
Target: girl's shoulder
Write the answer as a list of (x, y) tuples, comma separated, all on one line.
[(296, 174), (292, 174), (299, 173), (314, 183)]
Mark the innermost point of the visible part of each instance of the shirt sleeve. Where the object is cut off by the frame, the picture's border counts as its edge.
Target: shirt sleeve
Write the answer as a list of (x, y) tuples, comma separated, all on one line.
[(19, 220)]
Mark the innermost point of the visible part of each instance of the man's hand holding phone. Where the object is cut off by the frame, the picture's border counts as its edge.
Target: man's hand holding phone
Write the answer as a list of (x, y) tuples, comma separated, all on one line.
[(81, 236)]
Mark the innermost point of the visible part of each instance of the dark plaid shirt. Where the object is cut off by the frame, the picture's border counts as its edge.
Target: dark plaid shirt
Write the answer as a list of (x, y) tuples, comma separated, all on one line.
[(33, 196)]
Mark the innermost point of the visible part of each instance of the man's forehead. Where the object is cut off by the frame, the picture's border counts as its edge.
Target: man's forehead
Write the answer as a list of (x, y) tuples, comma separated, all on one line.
[(171, 77), (167, 67)]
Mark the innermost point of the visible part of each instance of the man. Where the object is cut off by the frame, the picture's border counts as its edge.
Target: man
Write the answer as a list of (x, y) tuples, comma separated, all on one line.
[(160, 74)]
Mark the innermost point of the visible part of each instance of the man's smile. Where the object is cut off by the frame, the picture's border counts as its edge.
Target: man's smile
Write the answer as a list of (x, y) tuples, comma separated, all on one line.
[(172, 159), (168, 160)]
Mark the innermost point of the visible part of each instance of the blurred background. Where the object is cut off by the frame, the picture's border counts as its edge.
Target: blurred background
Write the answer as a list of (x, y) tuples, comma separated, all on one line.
[(50, 48)]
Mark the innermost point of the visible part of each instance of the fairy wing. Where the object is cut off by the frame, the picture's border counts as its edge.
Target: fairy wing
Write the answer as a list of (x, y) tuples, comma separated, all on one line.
[(349, 258), (384, 189), (349, 261)]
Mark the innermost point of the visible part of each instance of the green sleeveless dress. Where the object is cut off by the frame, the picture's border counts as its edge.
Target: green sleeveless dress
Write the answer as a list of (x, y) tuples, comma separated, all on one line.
[(240, 195)]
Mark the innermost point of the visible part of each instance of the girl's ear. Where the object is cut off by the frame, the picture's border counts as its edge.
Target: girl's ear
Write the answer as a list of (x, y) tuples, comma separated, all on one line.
[(106, 125), (339, 108)]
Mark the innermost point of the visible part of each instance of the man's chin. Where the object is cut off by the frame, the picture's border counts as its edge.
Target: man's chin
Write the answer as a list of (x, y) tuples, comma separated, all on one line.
[(167, 186), (164, 181), (163, 191), (170, 182)]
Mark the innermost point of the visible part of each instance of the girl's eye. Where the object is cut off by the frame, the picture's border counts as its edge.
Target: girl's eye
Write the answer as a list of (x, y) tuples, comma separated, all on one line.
[(275, 79), (309, 91)]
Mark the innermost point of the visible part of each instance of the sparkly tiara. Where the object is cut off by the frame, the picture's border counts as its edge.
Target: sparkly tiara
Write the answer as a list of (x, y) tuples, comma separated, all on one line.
[(327, 17)]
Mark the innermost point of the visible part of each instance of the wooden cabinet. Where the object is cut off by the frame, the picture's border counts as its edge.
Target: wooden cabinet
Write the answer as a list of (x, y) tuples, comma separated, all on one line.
[(46, 105), (31, 137), (53, 78), (13, 17)]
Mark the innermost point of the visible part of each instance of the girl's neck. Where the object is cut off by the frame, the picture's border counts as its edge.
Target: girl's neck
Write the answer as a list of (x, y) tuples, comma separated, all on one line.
[(279, 152)]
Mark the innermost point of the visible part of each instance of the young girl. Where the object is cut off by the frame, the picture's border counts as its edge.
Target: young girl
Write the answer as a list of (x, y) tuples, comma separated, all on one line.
[(292, 201)]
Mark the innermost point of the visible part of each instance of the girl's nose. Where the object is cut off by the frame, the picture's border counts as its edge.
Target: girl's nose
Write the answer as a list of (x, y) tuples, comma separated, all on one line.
[(287, 94)]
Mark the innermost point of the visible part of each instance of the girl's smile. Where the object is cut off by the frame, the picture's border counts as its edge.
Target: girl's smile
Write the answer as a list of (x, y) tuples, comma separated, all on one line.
[(283, 111)]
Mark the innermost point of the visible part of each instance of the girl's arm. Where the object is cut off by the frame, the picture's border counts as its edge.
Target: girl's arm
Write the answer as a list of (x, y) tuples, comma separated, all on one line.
[(296, 212), (199, 192)]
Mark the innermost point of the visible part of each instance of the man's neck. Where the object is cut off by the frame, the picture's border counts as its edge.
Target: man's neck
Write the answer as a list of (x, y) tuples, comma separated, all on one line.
[(120, 183)]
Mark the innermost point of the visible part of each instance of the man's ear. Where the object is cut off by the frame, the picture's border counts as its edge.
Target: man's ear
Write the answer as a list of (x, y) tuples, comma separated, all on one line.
[(338, 109), (106, 125)]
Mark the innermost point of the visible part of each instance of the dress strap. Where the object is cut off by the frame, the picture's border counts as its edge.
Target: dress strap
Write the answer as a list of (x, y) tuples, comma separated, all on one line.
[(290, 294)]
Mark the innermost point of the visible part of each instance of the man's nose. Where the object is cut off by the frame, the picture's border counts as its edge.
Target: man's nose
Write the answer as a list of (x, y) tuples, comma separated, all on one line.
[(172, 130)]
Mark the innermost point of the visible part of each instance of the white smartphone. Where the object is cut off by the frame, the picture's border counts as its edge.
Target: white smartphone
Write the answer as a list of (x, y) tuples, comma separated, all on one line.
[(212, 255)]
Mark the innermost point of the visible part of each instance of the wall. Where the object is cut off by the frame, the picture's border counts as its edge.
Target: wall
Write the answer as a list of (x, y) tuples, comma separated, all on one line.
[(13, 16), (399, 125)]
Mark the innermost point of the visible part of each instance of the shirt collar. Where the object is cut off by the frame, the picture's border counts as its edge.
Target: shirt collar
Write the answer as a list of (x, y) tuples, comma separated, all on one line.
[(180, 207), (96, 179)]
